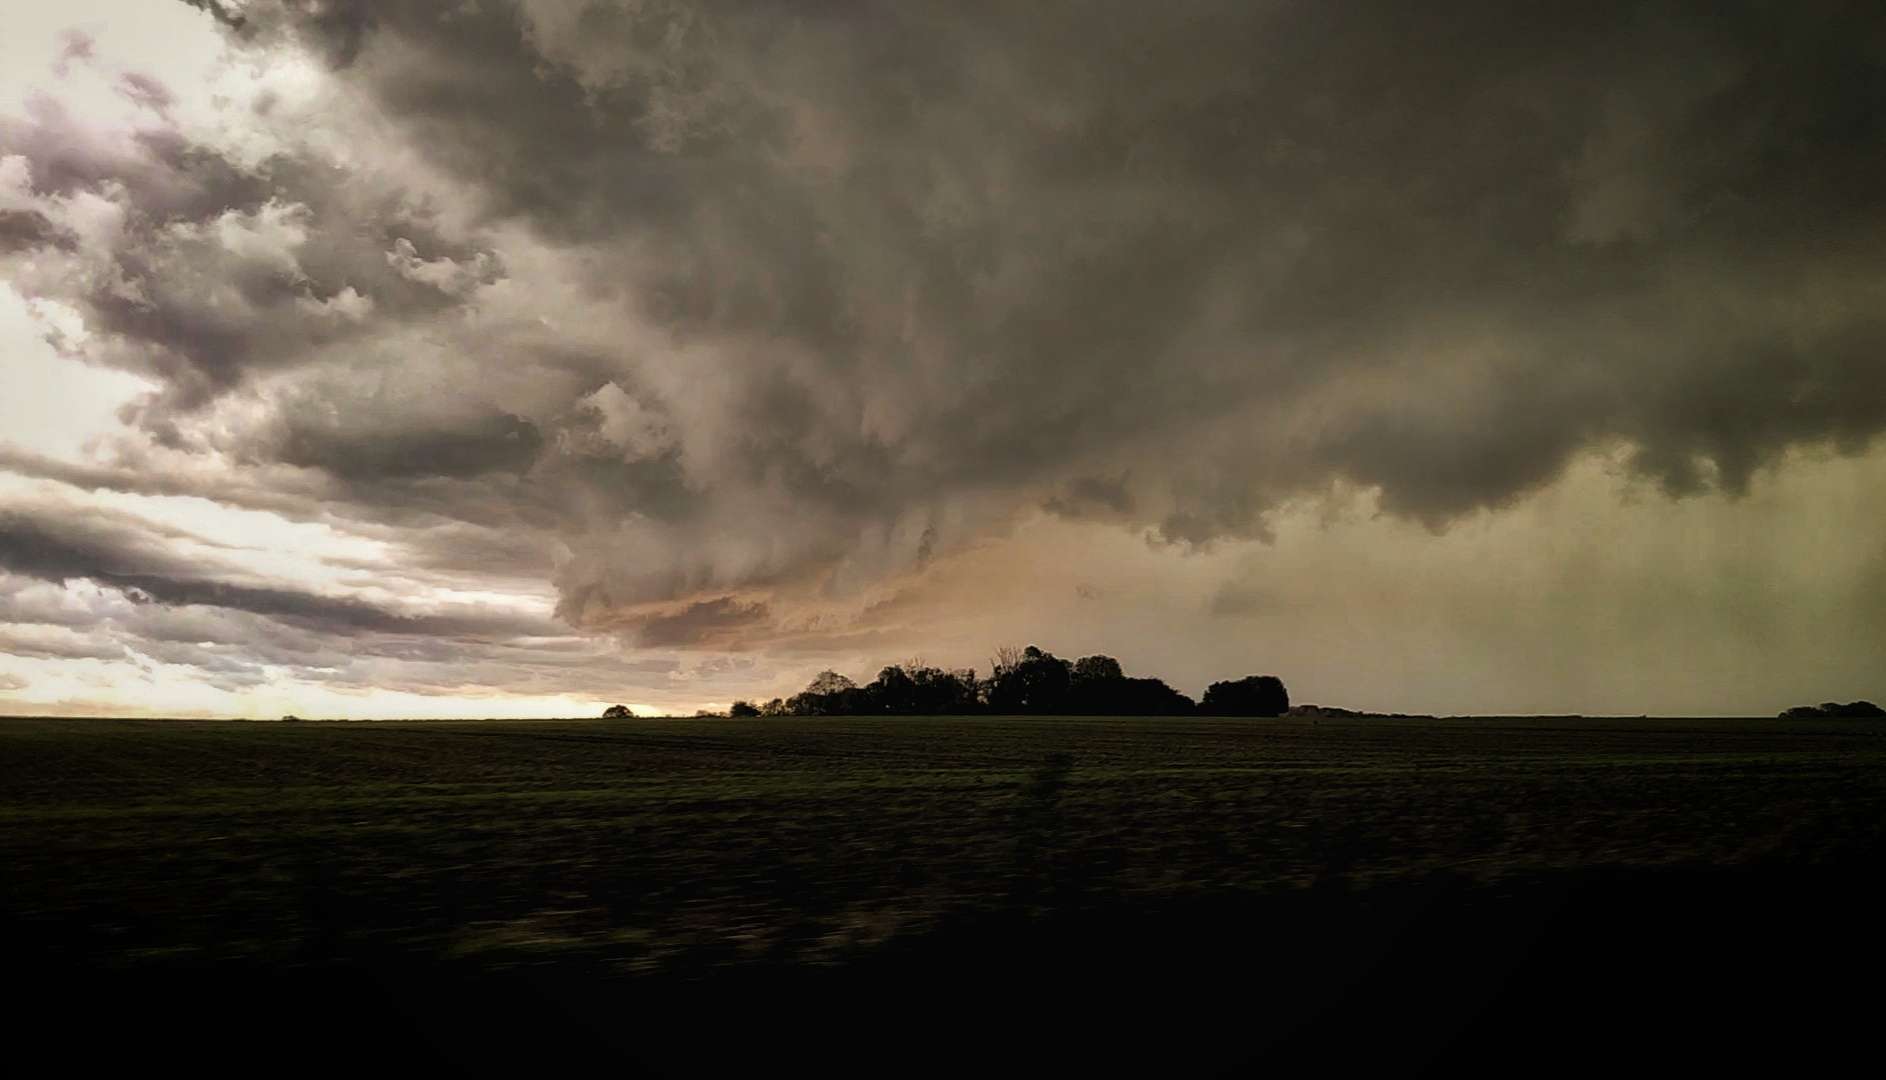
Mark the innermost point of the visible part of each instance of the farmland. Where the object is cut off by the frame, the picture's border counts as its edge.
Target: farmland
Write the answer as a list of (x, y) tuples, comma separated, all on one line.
[(697, 856)]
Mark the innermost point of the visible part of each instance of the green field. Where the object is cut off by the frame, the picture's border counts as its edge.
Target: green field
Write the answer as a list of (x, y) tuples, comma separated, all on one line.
[(689, 846)]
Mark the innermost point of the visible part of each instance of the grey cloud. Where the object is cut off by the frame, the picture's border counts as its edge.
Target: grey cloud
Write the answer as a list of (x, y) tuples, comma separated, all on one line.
[(120, 554), (166, 177), (455, 533), (1111, 229), (1092, 496), (223, 270), (275, 491), (233, 649), (25, 229), (221, 12), (869, 283), (56, 643), (224, 669), (330, 612), (493, 442), (45, 546), (718, 621), (1236, 600), (146, 91)]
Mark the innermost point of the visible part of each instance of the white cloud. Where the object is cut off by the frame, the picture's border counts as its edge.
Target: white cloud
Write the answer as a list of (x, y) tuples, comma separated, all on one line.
[(53, 404)]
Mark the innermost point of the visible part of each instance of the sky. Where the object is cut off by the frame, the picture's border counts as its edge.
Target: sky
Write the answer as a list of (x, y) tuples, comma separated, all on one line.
[(520, 357)]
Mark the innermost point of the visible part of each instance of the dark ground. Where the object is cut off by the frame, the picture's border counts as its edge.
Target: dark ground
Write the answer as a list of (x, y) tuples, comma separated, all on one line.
[(896, 895)]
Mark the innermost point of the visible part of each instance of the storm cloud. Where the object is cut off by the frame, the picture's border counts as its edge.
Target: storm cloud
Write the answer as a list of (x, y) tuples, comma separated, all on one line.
[(129, 557), (728, 320)]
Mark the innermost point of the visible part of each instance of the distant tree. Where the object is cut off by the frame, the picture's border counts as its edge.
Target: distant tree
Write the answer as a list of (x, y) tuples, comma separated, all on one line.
[(952, 692), (829, 682), (1035, 683), (1253, 695), (828, 694), (743, 708), (893, 691), (1022, 681), (917, 689), (1005, 660), (1149, 697), (291, 718), (1098, 687), (617, 712), (1852, 710)]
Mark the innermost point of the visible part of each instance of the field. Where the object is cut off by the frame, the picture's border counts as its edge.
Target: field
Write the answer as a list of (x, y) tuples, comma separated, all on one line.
[(1438, 876)]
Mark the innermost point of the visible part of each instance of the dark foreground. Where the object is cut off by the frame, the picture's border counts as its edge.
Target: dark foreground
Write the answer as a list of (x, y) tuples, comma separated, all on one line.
[(897, 896)]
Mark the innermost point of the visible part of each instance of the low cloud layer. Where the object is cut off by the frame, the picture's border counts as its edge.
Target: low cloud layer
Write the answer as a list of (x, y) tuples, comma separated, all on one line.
[(728, 324)]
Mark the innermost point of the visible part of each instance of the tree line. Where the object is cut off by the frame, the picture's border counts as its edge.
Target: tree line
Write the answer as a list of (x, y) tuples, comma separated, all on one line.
[(1852, 710), (1026, 681)]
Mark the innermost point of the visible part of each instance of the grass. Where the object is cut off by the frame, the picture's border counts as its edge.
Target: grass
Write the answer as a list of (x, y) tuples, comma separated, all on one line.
[(685, 846), (947, 895)]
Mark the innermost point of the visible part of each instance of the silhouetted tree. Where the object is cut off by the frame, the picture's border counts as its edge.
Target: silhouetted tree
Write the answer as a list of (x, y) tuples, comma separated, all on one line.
[(892, 691), (1253, 695), (1851, 710), (1022, 681), (1036, 683), (916, 689), (1098, 687), (829, 694), (1005, 660), (829, 682), (743, 708), (617, 712), (1149, 697)]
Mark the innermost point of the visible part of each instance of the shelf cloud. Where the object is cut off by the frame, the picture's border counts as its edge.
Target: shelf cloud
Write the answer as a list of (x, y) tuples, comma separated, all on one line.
[(707, 334)]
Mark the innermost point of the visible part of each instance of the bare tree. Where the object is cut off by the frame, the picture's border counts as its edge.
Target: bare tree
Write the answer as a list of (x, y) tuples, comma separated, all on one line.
[(1006, 659), (829, 682)]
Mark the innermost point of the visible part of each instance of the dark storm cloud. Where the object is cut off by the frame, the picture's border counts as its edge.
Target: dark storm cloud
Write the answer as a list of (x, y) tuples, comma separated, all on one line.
[(164, 176), (123, 553), (773, 301), (23, 229), (493, 442), (443, 531), (335, 614), (147, 476), (54, 546), (705, 623), (221, 12), (1116, 223), (56, 643), (234, 649), (221, 270), (1092, 496)]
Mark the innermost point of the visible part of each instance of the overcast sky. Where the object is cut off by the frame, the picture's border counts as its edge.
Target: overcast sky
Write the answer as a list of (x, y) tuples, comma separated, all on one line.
[(519, 357)]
